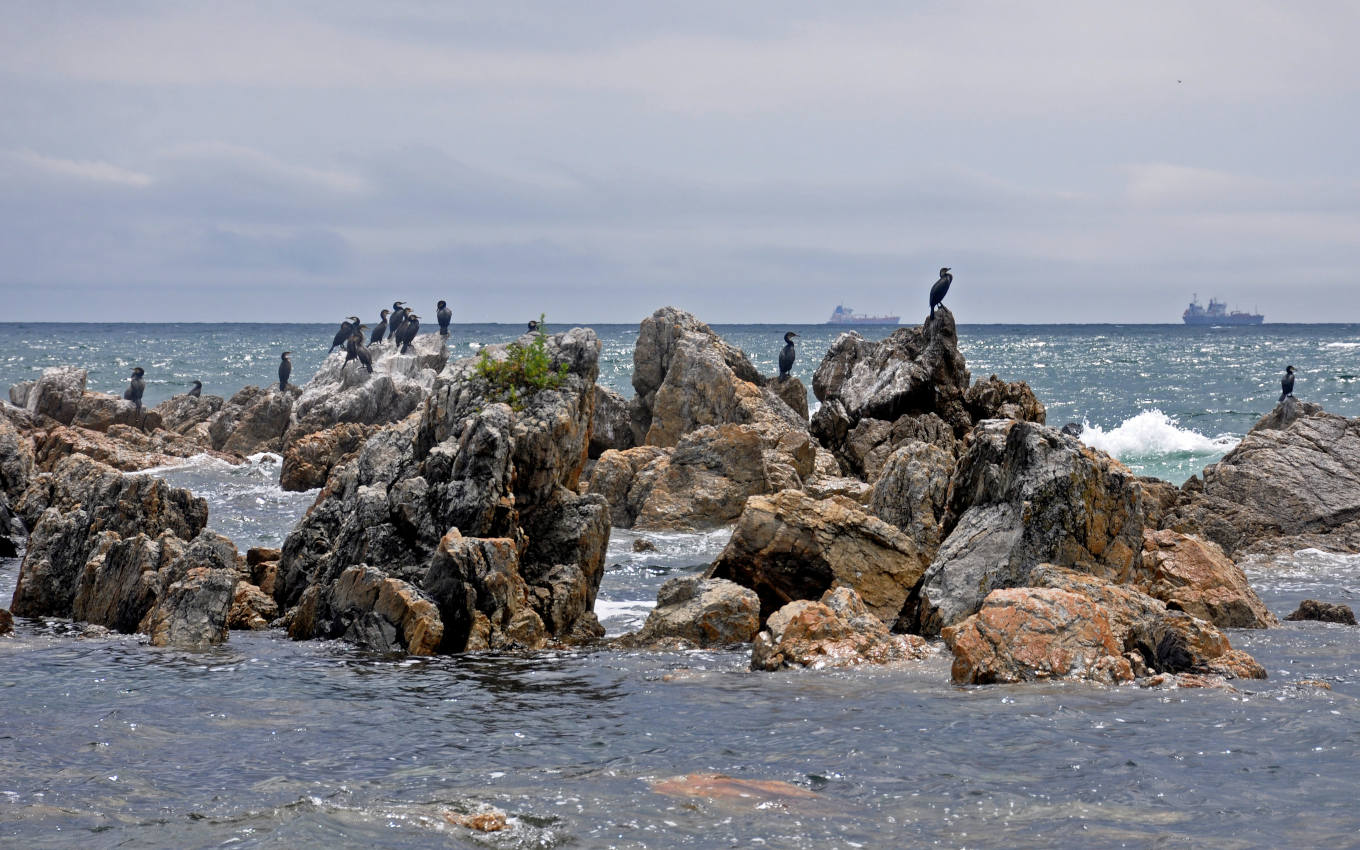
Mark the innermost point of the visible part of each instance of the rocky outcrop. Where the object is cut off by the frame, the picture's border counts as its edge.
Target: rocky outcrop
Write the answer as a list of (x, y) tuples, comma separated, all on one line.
[(340, 393), (624, 479), (912, 493), (792, 392), (11, 529), (1326, 612), (99, 411), (195, 596), (696, 612), (188, 415), (706, 480), (612, 427), (1024, 494), (56, 394), (123, 447), (867, 446), (69, 509), (1025, 634), (490, 472), (997, 399), (309, 459), (1194, 576), (837, 630), (1292, 483), (16, 459), (789, 546), (371, 609), (254, 420)]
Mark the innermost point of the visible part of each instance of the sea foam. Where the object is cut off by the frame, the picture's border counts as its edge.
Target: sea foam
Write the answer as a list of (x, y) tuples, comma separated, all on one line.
[(1153, 434)]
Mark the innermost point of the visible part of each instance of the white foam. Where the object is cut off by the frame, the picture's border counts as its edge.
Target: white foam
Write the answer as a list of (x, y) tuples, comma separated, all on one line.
[(1152, 434)]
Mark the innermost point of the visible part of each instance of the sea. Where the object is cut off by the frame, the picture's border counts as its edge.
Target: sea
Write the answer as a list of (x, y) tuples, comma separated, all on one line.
[(106, 742)]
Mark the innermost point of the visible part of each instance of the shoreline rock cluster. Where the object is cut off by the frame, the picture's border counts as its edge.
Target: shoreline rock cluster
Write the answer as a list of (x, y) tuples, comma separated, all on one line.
[(915, 511)]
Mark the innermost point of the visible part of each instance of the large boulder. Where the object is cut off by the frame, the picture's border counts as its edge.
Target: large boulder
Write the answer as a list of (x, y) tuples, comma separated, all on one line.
[(367, 607), (692, 611), (99, 411), (790, 546), (1194, 576), (309, 459), (625, 478), (1292, 483), (16, 459), (341, 392), (865, 448), (465, 461), (254, 420), (837, 630), (1024, 494), (612, 427), (195, 595), (1324, 612), (913, 491), (188, 415), (481, 595), (68, 509), (56, 394), (997, 399), (706, 480)]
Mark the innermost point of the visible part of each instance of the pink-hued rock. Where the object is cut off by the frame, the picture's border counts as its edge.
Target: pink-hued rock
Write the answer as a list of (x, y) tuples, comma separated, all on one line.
[(835, 631), (1194, 576)]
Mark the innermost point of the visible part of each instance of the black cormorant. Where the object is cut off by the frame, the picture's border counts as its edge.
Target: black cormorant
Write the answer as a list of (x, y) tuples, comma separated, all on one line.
[(346, 328), (407, 332), (380, 329), (136, 387), (197, 391), (444, 315), (533, 325), (1287, 383), (354, 350), (941, 287), (397, 319), (786, 356), (285, 369)]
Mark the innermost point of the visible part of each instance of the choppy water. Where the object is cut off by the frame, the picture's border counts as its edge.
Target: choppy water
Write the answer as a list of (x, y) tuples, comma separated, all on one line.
[(105, 742)]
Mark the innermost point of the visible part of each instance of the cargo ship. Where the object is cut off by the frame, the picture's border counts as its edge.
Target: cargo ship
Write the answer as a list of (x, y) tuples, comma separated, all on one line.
[(1217, 314), (846, 316)]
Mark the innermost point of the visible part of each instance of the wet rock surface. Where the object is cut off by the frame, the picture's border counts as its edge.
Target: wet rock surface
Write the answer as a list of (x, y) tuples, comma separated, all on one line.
[(692, 611), (837, 630), (1325, 612), (1194, 576)]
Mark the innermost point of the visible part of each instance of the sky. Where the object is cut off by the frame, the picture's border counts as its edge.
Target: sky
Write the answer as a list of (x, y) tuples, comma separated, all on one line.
[(760, 161)]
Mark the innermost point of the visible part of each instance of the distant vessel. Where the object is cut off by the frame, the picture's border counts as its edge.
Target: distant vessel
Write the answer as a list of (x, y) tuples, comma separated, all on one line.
[(1218, 314), (846, 316)]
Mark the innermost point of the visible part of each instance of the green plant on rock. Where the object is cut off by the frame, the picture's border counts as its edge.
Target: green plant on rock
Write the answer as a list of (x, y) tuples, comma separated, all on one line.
[(525, 370)]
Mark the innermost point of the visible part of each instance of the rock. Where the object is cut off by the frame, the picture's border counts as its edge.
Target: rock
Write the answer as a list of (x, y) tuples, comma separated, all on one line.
[(121, 446), (706, 480), (698, 612), (792, 392), (97, 411), (996, 399), (11, 529), (464, 463), (625, 478), (789, 546), (836, 631), (868, 445), (1194, 576), (1025, 634), (1155, 638), (612, 426), (1073, 429), (251, 608), (183, 414), (254, 420), (338, 393), (1280, 489), (1326, 612), (16, 460), (912, 492), (1024, 494), (853, 489), (6, 622), (195, 596), (69, 508), (18, 393), (309, 459), (378, 612), (1159, 499), (123, 579), (57, 393)]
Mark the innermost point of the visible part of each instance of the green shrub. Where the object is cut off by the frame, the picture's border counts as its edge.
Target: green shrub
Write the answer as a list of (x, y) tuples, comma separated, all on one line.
[(525, 370)]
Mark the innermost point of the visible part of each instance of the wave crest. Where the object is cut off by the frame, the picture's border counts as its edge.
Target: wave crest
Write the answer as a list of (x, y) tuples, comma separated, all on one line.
[(1153, 434)]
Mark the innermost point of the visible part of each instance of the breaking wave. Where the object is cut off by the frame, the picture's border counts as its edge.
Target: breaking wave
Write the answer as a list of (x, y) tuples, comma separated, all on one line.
[(1152, 434)]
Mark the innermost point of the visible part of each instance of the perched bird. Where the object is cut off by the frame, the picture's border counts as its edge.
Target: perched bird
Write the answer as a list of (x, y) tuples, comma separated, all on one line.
[(407, 332), (197, 391), (937, 292), (787, 355), (444, 315), (533, 325), (397, 319), (346, 328), (380, 329), (1287, 383), (136, 387), (354, 350), (285, 369)]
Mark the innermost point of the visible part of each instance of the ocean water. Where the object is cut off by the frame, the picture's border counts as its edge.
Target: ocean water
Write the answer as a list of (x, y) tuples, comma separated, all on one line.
[(106, 742)]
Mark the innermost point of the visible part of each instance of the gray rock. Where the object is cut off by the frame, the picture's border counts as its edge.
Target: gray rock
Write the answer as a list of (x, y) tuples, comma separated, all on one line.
[(612, 426), (699, 612), (912, 492), (1326, 612), (254, 420), (18, 393), (182, 414), (57, 393), (16, 460)]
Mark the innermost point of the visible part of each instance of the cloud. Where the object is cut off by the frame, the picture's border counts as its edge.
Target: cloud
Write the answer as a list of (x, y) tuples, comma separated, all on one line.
[(84, 170)]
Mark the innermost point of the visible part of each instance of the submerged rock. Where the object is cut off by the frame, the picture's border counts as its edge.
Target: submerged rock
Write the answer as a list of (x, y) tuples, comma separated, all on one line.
[(1325, 612), (836, 631)]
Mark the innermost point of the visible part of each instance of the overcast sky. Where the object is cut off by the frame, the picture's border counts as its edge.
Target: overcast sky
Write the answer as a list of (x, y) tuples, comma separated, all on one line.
[(749, 161)]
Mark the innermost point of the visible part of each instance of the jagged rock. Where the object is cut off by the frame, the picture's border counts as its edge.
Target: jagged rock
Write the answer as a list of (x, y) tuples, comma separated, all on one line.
[(11, 529), (916, 370), (121, 446), (373, 610), (18, 393), (184, 414), (340, 393), (706, 479), (123, 578), (309, 459), (1194, 576), (1326, 612), (1282, 488), (195, 595), (836, 631), (98, 411), (696, 612), (56, 394), (67, 510), (1155, 638), (867, 446), (1159, 499), (16, 460), (789, 546), (853, 489), (6, 622), (792, 392), (251, 608), (254, 420), (1024, 494), (482, 598), (996, 399), (912, 492), (464, 462), (612, 426), (1024, 634), (625, 478)]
